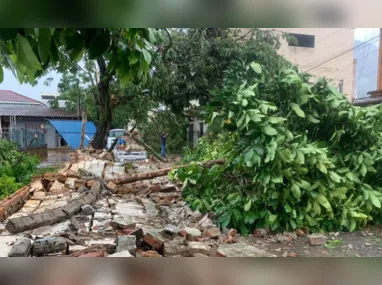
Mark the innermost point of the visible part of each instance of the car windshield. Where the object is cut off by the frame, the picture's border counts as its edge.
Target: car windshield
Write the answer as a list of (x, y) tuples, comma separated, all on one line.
[(115, 134)]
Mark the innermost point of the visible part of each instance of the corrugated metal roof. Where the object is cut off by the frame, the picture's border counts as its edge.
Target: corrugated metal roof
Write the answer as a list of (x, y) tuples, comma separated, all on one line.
[(34, 111), (71, 131), (367, 101), (13, 97)]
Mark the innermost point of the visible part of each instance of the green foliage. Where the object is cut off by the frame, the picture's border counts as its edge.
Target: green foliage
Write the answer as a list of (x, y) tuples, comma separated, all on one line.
[(297, 155), (13, 174), (176, 127), (29, 52), (8, 185), (193, 61)]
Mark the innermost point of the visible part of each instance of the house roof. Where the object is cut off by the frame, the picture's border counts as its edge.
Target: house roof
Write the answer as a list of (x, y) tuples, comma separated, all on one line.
[(367, 101), (13, 97), (34, 111)]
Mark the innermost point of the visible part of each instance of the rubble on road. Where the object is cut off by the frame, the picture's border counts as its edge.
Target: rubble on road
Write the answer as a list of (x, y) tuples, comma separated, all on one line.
[(81, 212)]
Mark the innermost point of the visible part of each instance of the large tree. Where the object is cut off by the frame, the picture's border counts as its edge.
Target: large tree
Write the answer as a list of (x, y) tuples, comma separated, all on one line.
[(191, 62), (120, 54)]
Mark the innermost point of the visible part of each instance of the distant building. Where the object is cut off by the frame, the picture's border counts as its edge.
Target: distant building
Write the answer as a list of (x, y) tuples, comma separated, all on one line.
[(46, 98), (22, 118)]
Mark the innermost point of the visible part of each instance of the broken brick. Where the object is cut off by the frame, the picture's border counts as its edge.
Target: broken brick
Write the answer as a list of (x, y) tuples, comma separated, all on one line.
[(316, 239), (79, 183), (154, 239), (112, 187), (149, 253)]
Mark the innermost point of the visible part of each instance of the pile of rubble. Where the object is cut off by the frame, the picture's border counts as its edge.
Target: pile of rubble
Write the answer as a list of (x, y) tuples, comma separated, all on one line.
[(76, 213)]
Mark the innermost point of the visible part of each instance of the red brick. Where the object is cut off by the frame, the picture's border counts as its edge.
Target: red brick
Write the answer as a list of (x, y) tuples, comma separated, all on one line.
[(150, 253)]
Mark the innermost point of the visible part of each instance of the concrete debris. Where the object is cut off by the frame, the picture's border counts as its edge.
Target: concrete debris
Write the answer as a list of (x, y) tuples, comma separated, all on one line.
[(198, 247), (241, 250), (22, 248), (213, 233), (88, 210), (49, 245), (192, 234), (127, 243), (316, 239), (85, 211)]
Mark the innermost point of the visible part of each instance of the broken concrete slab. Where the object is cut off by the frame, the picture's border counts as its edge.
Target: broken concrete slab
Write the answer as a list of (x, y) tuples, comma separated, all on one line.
[(171, 230), (198, 247), (175, 247), (241, 250), (128, 243), (49, 245), (122, 223), (192, 234), (21, 248)]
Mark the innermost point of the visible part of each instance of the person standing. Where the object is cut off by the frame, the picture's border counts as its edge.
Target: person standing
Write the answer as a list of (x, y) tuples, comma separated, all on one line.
[(163, 137)]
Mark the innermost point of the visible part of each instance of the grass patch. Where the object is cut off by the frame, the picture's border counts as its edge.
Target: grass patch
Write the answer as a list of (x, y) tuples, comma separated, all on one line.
[(43, 170), (333, 243)]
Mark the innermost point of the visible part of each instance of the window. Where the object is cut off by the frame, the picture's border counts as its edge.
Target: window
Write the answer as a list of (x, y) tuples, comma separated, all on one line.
[(201, 128), (300, 40)]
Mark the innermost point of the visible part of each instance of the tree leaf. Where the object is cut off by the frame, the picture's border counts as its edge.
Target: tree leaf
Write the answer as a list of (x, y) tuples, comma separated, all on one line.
[(268, 130), (353, 224), (297, 110), (147, 56), (248, 206), (272, 218), (25, 54), (248, 156), (256, 67), (321, 199), (44, 42), (312, 119), (296, 191), (340, 192), (276, 120), (334, 176), (316, 208), (374, 200), (363, 170), (321, 167)]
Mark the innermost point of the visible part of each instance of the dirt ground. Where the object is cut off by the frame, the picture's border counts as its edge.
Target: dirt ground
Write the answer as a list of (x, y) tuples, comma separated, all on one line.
[(366, 243)]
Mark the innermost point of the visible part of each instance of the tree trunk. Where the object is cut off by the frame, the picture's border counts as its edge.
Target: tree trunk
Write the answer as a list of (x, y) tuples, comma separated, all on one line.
[(104, 108), (84, 119), (158, 173)]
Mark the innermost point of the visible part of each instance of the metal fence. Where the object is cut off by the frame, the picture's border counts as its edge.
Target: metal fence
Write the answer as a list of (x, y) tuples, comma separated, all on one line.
[(22, 137)]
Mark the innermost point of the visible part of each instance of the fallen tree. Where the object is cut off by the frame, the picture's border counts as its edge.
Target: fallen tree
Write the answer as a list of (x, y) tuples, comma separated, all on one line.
[(299, 155), (159, 173)]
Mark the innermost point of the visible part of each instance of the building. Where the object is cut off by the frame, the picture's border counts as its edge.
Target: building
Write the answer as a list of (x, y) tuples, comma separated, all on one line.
[(46, 98), (23, 118), (323, 52)]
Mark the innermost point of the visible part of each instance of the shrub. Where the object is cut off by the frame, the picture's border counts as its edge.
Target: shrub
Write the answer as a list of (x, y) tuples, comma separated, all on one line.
[(298, 155)]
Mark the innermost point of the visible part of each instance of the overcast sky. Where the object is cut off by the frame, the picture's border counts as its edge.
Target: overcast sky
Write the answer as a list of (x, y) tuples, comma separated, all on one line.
[(11, 83)]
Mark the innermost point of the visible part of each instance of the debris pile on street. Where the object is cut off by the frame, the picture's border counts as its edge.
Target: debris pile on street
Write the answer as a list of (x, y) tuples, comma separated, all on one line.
[(81, 212)]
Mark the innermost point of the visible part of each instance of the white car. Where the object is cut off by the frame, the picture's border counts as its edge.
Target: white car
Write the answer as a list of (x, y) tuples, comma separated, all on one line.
[(124, 155)]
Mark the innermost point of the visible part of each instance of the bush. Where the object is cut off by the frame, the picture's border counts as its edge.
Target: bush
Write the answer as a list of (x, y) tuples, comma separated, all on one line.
[(14, 173), (298, 155)]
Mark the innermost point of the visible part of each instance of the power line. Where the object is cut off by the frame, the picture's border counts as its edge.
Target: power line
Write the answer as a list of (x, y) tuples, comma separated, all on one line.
[(341, 54), (367, 54), (330, 35)]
